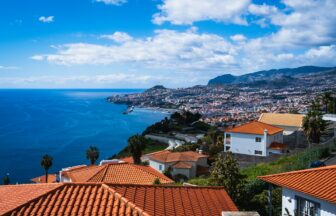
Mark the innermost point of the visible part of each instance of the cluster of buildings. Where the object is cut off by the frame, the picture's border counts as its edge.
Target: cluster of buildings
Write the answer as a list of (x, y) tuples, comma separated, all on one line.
[(120, 187), (225, 104), (127, 189), (270, 134)]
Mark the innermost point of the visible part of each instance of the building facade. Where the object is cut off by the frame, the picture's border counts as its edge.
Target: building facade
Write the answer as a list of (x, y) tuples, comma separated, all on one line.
[(309, 192), (254, 138)]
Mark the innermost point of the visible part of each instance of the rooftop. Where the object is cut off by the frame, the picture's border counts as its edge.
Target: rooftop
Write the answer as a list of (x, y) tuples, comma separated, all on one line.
[(167, 156), (316, 182), (255, 127), (113, 199), (282, 119), (42, 179), (119, 173)]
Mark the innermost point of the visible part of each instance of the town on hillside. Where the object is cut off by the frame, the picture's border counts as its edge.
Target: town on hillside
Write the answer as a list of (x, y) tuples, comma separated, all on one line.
[(278, 163)]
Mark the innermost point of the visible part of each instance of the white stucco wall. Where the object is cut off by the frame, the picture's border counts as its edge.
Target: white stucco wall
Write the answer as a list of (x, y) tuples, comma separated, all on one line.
[(64, 178), (246, 144), (289, 202), (156, 165)]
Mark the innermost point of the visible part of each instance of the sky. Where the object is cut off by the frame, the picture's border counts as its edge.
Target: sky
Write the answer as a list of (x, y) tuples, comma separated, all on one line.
[(141, 43)]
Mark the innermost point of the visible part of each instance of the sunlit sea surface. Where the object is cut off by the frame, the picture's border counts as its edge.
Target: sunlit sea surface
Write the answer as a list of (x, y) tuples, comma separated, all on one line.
[(63, 124)]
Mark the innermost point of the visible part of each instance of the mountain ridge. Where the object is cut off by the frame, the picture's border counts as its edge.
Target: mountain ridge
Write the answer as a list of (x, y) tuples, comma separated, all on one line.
[(265, 76)]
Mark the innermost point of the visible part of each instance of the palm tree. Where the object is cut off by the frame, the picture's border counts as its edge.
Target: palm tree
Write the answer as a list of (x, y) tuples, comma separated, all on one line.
[(6, 180), (313, 124), (136, 144), (92, 154), (326, 99), (46, 163)]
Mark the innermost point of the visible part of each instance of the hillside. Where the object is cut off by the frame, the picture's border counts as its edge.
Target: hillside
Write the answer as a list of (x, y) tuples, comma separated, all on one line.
[(266, 77)]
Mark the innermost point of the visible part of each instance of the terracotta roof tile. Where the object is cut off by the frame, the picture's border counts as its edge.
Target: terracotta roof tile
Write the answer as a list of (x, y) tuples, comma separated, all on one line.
[(255, 127), (176, 156), (82, 173), (127, 159), (282, 119), (182, 165), (113, 199), (316, 182), (42, 179), (118, 173), (21, 194), (175, 200)]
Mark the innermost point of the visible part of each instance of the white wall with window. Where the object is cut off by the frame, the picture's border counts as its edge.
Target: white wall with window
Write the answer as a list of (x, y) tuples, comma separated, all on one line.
[(157, 165), (298, 204), (250, 144)]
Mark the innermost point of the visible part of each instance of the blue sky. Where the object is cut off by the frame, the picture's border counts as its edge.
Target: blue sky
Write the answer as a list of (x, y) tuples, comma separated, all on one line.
[(140, 43)]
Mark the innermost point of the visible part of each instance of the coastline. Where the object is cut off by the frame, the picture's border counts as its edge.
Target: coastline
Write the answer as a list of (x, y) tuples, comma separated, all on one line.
[(157, 109)]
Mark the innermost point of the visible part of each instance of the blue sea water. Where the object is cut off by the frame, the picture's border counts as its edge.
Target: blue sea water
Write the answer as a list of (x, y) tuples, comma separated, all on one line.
[(63, 124)]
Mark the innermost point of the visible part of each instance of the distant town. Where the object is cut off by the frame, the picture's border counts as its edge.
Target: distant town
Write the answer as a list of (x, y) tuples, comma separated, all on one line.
[(233, 103)]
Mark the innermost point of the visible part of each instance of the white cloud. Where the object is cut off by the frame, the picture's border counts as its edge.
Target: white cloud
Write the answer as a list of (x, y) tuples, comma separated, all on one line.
[(182, 12), (238, 38), (8, 67), (308, 23), (48, 19), (113, 2), (262, 9), (166, 49), (305, 35), (118, 37)]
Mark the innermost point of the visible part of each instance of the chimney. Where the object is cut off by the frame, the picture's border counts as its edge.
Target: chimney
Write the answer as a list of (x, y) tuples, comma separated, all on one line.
[(200, 151), (265, 142)]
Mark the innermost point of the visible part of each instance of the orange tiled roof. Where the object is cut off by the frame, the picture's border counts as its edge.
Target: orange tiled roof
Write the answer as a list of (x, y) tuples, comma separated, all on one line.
[(42, 179), (114, 199), (282, 119), (119, 173), (12, 196), (127, 159), (176, 156), (316, 182), (182, 165), (255, 127), (83, 173)]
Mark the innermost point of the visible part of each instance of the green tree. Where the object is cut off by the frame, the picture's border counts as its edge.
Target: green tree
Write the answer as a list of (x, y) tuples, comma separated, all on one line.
[(46, 163), (326, 99), (313, 123), (136, 144), (6, 180), (92, 154), (156, 181), (225, 172)]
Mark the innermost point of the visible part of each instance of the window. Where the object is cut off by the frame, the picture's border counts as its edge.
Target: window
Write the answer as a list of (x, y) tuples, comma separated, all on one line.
[(258, 152), (227, 148), (305, 207), (160, 167), (228, 139), (258, 139)]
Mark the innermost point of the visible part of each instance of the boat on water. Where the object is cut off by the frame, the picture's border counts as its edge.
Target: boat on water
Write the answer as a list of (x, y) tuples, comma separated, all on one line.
[(129, 110)]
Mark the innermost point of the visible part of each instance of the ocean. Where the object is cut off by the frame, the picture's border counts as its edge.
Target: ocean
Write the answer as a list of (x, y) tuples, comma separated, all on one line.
[(63, 124)]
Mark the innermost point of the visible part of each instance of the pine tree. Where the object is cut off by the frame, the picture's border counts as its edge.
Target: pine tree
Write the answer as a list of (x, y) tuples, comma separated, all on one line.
[(225, 172)]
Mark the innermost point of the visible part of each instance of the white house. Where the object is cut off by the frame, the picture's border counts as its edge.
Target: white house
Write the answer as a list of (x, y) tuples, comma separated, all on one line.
[(254, 138), (189, 164), (307, 192)]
